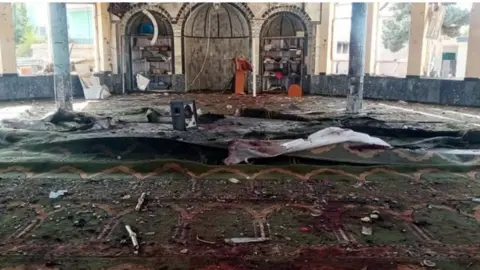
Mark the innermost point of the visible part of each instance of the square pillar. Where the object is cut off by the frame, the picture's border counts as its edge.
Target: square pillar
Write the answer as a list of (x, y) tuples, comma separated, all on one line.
[(472, 69), (177, 48), (417, 44), (61, 56), (255, 63), (371, 39), (8, 60), (104, 37), (324, 39), (178, 78), (114, 49), (356, 63)]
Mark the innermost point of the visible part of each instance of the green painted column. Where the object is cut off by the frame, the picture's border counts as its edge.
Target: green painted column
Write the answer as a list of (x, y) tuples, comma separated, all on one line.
[(356, 63), (61, 56)]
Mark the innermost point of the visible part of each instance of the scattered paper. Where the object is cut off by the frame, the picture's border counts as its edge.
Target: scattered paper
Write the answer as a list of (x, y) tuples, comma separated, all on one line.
[(366, 230), (234, 180), (57, 194)]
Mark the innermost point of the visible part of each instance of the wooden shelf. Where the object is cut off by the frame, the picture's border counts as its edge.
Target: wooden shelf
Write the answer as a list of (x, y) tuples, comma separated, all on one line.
[(292, 66), (282, 50), (159, 75), (291, 76), (151, 58), (150, 36), (157, 59), (292, 37)]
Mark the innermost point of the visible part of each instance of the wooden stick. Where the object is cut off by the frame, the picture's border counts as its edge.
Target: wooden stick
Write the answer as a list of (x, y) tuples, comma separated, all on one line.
[(133, 236), (140, 202)]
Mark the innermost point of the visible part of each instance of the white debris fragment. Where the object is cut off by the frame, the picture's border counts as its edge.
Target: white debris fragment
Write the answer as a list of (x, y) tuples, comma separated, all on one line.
[(133, 236), (126, 197), (229, 106), (245, 240), (183, 251), (57, 206), (428, 263), (374, 216), (366, 230), (142, 82), (477, 200), (205, 241), (57, 194), (234, 180), (140, 201), (366, 219)]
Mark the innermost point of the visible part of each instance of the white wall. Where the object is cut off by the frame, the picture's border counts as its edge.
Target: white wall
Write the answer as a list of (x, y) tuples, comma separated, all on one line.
[(388, 63), (461, 59)]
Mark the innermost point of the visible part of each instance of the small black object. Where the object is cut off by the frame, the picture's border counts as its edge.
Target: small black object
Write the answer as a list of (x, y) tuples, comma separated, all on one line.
[(80, 223), (184, 114)]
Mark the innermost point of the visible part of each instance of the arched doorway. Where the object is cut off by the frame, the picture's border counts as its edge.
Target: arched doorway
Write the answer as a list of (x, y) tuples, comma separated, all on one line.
[(283, 51), (213, 34), (153, 59)]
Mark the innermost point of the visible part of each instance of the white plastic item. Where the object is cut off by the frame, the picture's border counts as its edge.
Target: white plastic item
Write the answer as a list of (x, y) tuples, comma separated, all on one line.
[(92, 89), (142, 82)]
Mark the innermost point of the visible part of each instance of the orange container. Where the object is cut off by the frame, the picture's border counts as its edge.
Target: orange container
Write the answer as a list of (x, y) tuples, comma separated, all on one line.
[(295, 91), (25, 71)]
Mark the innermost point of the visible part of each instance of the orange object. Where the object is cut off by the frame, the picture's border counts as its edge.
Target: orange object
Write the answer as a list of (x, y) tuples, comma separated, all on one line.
[(25, 71), (295, 91), (241, 66)]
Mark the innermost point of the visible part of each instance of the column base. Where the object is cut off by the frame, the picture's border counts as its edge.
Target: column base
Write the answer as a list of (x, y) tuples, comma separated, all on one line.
[(63, 91), (8, 75), (178, 82)]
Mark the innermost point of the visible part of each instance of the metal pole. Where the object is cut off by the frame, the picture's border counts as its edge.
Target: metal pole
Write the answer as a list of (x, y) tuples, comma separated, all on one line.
[(356, 65), (61, 57)]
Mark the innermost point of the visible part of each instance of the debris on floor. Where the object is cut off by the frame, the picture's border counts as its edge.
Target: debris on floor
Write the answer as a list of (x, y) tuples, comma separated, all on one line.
[(428, 263), (133, 237), (140, 201), (234, 180), (366, 230), (366, 219), (57, 194), (245, 240), (476, 200), (309, 197)]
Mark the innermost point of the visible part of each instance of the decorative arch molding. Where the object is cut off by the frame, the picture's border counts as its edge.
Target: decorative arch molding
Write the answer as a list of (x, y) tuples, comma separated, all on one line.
[(292, 9), (306, 20), (138, 8), (187, 8)]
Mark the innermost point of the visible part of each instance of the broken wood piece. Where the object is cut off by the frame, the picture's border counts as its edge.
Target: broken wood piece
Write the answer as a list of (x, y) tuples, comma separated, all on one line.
[(259, 227), (245, 240), (205, 241), (133, 236), (140, 201)]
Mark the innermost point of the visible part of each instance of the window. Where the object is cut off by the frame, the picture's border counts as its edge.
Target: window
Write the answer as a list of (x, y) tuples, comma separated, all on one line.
[(342, 47)]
